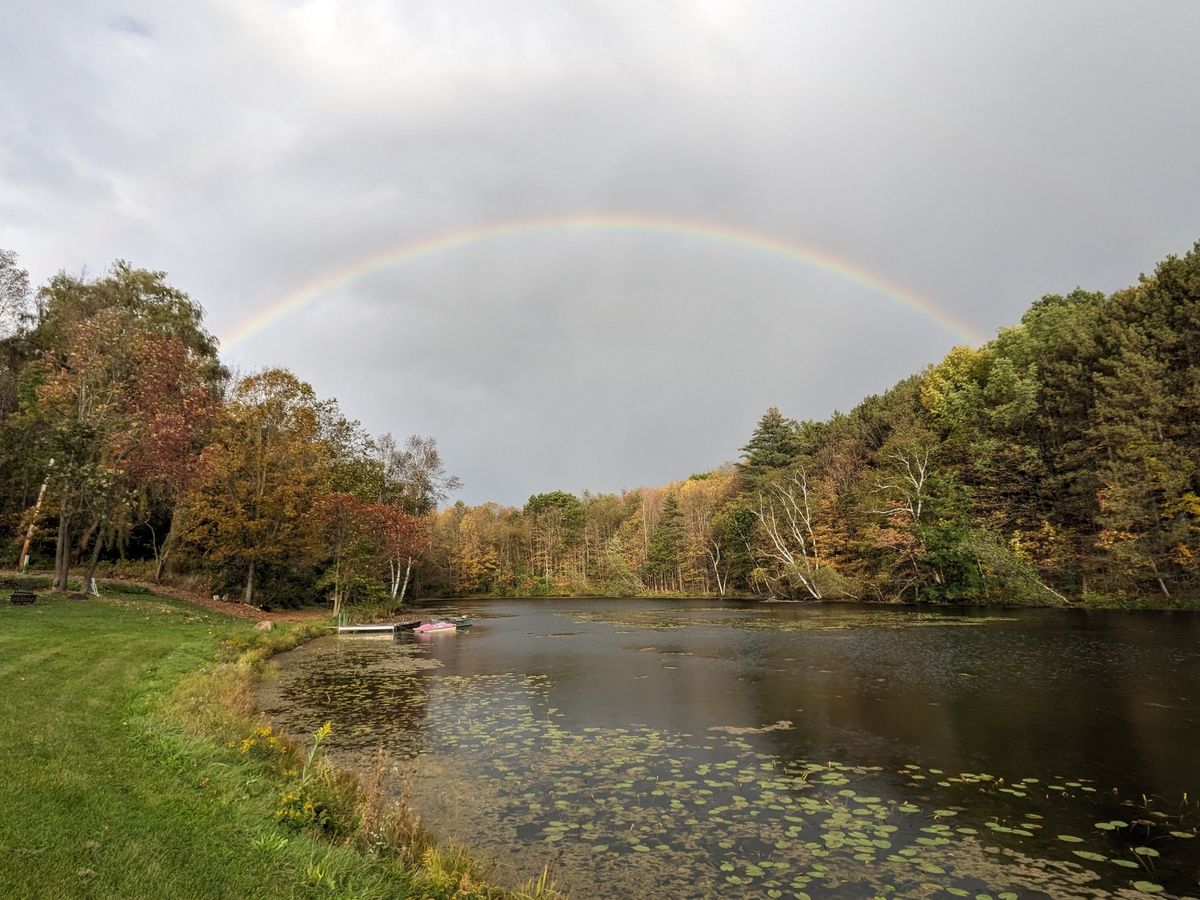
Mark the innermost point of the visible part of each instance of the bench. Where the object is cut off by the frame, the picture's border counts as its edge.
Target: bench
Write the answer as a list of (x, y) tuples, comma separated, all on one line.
[(23, 597)]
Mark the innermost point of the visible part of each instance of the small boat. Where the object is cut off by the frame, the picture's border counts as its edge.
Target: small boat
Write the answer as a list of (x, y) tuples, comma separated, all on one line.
[(430, 627), (407, 626), (461, 621)]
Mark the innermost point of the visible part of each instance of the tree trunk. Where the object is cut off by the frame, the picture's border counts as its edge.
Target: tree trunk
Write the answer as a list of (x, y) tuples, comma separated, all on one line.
[(62, 547), (337, 588), (93, 559), (248, 595), (1162, 585), (163, 553), (23, 559), (407, 570), (714, 554)]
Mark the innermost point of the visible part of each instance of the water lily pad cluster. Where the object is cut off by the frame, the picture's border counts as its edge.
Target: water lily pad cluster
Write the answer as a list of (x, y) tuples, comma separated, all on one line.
[(719, 814), (633, 810)]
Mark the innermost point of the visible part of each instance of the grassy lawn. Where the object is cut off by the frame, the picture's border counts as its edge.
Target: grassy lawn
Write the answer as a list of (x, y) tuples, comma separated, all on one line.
[(105, 793)]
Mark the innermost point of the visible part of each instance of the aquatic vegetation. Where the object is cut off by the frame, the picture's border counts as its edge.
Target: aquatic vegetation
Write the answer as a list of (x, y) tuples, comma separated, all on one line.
[(496, 764), (781, 725), (726, 804)]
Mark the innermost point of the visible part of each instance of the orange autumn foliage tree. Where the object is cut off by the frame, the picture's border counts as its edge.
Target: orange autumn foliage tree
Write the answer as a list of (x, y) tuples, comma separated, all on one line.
[(257, 496)]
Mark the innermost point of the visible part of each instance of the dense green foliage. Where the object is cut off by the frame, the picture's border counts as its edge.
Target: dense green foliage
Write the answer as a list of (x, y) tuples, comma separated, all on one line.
[(1059, 462), (1056, 463)]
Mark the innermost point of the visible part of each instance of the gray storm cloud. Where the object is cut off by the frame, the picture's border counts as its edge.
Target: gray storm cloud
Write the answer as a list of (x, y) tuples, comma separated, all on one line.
[(979, 155)]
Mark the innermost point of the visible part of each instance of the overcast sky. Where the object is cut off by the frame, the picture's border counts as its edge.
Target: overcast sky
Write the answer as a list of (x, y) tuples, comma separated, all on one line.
[(977, 155)]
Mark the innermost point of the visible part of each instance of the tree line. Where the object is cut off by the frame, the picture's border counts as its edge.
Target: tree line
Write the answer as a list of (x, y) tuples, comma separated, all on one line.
[(1059, 462), (126, 442)]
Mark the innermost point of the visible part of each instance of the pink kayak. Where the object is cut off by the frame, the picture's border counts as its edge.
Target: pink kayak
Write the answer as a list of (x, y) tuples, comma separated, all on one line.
[(434, 626)]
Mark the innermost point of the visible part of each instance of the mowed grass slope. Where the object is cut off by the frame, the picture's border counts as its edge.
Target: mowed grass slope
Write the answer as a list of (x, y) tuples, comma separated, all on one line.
[(91, 806), (103, 795)]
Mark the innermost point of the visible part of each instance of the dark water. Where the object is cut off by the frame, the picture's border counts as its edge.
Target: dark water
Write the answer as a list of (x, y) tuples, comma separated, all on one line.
[(697, 748)]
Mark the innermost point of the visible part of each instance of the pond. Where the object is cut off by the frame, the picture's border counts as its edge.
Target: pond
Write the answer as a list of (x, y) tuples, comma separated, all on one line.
[(703, 748)]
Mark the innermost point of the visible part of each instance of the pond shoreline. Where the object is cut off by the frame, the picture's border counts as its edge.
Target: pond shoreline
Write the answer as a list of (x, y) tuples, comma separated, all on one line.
[(1151, 603), (132, 739), (510, 771)]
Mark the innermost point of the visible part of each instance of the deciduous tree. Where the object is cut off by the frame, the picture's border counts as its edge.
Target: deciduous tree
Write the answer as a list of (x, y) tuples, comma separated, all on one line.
[(261, 479)]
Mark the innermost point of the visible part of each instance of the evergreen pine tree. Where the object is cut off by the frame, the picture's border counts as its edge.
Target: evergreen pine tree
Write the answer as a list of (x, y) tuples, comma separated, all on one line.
[(774, 445), (663, 554)]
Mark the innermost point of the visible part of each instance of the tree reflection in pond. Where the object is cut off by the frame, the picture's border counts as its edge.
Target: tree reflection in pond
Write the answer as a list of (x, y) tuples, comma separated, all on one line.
[(719, 769)]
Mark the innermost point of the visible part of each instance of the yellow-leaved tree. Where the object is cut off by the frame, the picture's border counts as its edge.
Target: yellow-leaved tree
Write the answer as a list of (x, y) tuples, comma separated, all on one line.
[(256, 501)]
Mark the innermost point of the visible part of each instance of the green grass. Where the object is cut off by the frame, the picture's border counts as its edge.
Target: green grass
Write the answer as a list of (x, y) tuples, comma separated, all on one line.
[(119, 777)]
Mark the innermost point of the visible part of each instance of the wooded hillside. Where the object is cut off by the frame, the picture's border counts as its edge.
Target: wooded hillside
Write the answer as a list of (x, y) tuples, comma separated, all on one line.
[(1060, 462)]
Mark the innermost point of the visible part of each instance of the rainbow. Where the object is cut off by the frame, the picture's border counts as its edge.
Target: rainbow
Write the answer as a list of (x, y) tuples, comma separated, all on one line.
[(635, 223)]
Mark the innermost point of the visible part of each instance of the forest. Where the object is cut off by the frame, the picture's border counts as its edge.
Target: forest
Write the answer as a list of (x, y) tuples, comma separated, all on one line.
[(1059, 463)]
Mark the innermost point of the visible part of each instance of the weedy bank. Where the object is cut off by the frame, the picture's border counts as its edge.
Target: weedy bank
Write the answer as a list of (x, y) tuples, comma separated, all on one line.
[(131, 764)]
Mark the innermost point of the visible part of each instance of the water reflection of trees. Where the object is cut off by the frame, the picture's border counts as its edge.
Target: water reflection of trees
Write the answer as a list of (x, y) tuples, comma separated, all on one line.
[(1048, 693), (1110, 695), (526, 700)]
